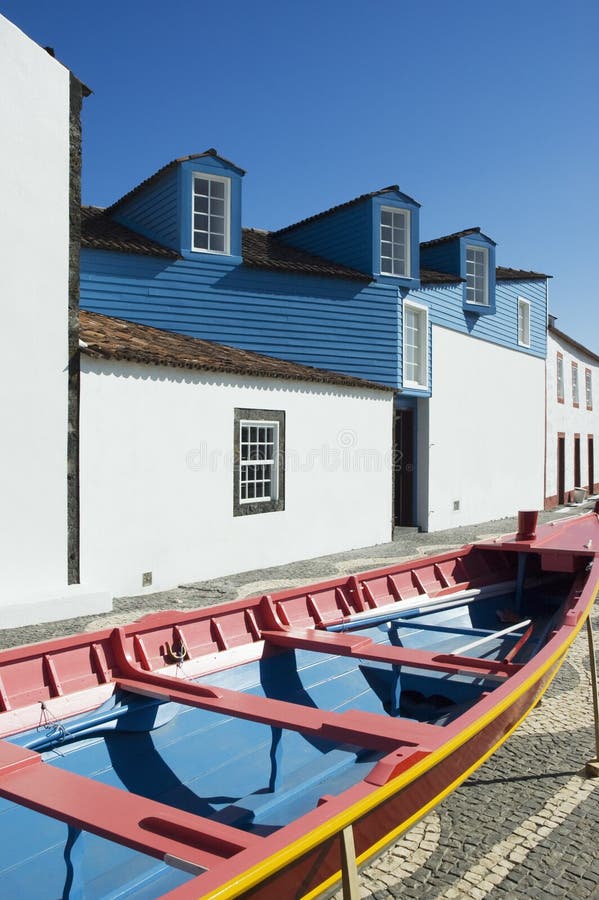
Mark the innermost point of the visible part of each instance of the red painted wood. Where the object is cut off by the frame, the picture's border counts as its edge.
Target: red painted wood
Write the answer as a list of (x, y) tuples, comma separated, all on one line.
[(144, 825), (361, 729), (364, 648)]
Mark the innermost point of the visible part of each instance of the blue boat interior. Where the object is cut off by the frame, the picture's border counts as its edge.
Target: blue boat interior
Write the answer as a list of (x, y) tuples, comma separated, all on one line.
[(243, 773)]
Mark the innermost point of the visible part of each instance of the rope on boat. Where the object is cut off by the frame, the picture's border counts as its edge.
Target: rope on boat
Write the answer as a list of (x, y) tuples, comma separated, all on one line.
[(177, 655), (50, 724)]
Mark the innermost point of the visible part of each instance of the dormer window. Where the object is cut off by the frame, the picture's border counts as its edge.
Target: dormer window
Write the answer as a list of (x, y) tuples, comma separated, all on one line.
[(477, 275), (395, 242), (211, 218)]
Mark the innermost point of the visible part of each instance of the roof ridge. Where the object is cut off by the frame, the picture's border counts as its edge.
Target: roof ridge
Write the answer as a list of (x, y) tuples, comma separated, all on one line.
[(450, 237), (170, 165), (345, 205)]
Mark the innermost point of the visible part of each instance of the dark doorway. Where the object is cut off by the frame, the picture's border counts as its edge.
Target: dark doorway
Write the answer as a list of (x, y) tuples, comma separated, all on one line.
[(561, 469), (577, 477), (404, 467), (591, 453)]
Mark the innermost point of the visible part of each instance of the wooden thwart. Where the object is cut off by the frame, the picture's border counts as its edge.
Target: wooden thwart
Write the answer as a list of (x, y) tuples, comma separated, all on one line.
[(361, 729), (361, 647), (144, 825)]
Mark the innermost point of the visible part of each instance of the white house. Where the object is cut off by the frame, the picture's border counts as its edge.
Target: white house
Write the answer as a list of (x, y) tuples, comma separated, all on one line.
[(38, 99), (199, 460), (485, 434), (572, 459)]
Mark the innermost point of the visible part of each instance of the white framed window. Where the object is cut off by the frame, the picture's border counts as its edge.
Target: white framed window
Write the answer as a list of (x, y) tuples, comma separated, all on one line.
[(210, 214), (588, 388), (559, 368), (415, 345), (259, 452), (575, 389), (477, 275), (395, 242), (523, 322)]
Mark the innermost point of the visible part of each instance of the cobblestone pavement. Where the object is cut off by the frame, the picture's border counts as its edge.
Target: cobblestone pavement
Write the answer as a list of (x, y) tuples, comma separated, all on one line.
[(525, 825)]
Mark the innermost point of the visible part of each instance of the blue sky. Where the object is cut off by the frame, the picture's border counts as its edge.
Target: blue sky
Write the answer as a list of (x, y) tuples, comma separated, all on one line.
[(485, 113)]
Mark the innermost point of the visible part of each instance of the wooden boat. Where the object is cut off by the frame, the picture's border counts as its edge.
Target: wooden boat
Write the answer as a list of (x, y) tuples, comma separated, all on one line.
[(226, 752)]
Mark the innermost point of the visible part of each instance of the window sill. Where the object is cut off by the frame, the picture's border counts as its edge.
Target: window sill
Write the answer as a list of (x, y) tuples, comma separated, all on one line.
[(479, 309)]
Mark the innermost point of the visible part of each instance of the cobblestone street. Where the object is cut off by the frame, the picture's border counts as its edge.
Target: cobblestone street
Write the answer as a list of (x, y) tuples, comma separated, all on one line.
[(525, 825)]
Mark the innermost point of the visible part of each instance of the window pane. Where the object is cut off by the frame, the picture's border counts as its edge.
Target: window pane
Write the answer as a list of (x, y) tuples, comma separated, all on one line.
[(200, 240), (201, 186), (200, 222), (218, 188), (386, 217), (217, 207), (200, 204)]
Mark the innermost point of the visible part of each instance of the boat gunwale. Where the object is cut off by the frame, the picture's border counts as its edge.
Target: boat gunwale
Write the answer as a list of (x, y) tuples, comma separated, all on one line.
[(293, 841)]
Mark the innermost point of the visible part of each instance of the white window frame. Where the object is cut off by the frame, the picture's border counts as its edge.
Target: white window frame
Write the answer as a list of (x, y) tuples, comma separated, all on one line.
[(396, 261), (523, 322), (575, 385), (259, 461), (471, 290), (422, 349), (559, 377), (227, 214)]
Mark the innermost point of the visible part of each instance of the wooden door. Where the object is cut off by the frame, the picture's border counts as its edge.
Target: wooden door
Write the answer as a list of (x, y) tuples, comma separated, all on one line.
[(404, 467), (561, 469)]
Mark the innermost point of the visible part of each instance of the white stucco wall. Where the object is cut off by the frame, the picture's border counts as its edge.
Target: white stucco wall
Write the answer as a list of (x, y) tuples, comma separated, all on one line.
[(486, 431), (157, 482), (34, 245), (566, 419)]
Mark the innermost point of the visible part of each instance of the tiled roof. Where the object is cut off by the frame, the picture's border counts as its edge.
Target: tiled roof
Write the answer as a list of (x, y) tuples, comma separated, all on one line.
[(262, 250), (504, 274), (392, 188), (564, 337), (452, 237), (430, 276), (101, 232), (171, 165), (104, 337)]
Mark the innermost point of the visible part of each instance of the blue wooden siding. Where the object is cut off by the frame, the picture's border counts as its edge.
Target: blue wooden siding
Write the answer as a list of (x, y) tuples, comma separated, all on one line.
[(330, 323), (153, 212), (344, 236), (443, 257), (446, 309)]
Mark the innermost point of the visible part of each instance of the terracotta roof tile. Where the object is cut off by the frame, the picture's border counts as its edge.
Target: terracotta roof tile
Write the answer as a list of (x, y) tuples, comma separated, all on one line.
[(100, 232), (430, 276), (262, 250), (105, 337)]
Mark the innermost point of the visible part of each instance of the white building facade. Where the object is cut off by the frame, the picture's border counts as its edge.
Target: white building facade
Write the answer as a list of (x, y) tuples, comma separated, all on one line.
[(35, 102), (484, 439), (572, 454), (189, 474)]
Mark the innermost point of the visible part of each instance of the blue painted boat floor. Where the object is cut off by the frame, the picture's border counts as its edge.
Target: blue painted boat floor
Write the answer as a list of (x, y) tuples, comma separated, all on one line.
[(243, 773)]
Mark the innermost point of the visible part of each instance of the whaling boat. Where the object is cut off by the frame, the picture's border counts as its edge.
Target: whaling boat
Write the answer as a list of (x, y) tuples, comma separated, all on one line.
[(230, 751)]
